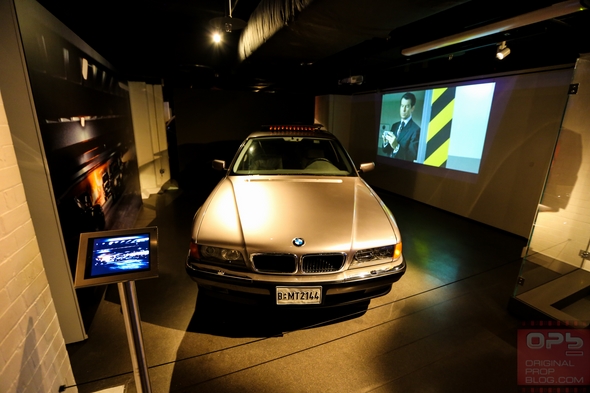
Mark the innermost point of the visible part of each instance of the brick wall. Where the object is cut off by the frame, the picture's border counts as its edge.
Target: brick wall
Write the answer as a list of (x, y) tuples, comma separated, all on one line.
[(33, 355)]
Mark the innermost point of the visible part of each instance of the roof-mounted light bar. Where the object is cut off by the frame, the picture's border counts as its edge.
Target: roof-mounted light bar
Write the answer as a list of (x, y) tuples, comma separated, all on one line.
[(292, 127)]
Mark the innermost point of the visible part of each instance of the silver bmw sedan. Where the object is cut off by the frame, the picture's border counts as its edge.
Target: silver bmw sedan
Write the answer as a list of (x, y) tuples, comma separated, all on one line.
[(293, 223)]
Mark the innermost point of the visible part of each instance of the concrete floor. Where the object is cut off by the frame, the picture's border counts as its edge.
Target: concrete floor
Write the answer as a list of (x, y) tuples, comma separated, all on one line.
[(443, 328)]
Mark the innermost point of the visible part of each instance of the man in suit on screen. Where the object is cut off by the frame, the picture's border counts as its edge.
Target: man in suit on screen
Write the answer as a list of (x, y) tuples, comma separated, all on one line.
[(402, 141)]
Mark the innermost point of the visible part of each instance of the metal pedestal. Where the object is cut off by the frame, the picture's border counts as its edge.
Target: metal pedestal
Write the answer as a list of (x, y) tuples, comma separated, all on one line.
[(134, 336)]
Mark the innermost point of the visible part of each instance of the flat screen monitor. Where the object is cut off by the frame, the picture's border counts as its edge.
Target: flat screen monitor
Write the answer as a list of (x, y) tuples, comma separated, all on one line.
[(116, 256)]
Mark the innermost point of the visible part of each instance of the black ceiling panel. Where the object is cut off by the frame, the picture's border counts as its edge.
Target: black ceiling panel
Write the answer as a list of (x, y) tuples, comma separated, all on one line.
[(322, 43)]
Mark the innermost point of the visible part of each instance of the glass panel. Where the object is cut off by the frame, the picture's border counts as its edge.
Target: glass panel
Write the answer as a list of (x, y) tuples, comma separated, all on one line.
[(555, 274)]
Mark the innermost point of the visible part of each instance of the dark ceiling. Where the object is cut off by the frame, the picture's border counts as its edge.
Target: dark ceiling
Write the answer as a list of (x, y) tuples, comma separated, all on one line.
[(322, 43)]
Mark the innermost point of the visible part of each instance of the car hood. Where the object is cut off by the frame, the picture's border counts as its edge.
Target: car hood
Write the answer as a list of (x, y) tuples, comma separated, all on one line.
[(265, 214)]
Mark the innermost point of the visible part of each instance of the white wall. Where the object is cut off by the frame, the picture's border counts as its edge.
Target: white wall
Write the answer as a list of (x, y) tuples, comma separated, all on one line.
[(33, 356), (147, 111)]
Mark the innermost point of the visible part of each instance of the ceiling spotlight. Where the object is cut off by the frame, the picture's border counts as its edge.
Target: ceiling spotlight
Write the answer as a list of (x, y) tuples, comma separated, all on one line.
[(217, 38), (502, 51), (228, 23), (352, 80)]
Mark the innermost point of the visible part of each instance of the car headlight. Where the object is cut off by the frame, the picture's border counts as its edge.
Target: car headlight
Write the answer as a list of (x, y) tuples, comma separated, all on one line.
[(382, 254), (216, 254)]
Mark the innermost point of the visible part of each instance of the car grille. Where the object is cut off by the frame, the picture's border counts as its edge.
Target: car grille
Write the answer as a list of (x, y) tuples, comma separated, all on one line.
[(275, 263), (324, 263), (287, 263)]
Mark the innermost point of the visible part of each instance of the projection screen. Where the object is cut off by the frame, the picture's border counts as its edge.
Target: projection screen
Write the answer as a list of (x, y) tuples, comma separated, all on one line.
[(478, 148)]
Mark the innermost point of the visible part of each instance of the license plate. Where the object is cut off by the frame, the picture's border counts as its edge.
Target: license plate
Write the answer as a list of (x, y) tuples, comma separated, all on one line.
[(299, 295)]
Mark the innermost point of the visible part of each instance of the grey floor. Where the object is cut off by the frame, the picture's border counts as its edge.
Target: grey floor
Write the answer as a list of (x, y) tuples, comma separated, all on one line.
[(443, 328)]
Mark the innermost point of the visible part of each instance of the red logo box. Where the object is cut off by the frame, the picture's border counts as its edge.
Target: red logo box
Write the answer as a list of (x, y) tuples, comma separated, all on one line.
[(553, 357)]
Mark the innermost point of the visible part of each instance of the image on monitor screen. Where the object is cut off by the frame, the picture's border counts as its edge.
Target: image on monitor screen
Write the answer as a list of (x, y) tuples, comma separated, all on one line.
[(115, 255), (443, 127)]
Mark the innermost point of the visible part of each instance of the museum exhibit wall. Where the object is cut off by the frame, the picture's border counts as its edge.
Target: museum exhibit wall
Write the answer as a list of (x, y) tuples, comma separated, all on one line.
[(33, 354), (211, 124), (22, 120), (522, 129), (149, 128), (70, 118)]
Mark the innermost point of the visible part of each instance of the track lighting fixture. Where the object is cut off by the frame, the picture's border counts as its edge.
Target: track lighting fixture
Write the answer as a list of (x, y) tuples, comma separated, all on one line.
[(554, 11), (502, 51)]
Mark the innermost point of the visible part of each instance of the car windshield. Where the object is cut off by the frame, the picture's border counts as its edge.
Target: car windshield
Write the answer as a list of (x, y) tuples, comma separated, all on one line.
[(297, 155)]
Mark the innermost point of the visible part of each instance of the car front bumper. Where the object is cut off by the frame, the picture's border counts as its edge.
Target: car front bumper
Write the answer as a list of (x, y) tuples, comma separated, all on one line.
[(243, 288)]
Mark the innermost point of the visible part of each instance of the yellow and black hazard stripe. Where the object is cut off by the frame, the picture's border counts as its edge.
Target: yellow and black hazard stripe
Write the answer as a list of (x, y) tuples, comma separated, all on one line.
[(439, 128)]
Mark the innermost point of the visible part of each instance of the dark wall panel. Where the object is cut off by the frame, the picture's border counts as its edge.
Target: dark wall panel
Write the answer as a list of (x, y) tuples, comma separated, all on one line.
[(211, 124)]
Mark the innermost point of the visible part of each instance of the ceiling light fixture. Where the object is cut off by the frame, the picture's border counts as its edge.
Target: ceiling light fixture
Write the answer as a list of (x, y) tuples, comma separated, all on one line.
[(352, 80), (502, 51), (227, 23), (554, 11)]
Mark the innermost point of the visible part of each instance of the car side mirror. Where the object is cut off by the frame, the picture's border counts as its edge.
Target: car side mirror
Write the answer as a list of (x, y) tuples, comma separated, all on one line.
[(367, 167), (218, 165)]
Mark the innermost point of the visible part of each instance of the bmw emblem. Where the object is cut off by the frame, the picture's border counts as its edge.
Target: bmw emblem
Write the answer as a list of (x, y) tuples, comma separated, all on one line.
[(298, 242)]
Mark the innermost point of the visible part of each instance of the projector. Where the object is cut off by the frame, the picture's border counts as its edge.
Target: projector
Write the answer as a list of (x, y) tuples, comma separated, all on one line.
[(351, 80)]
